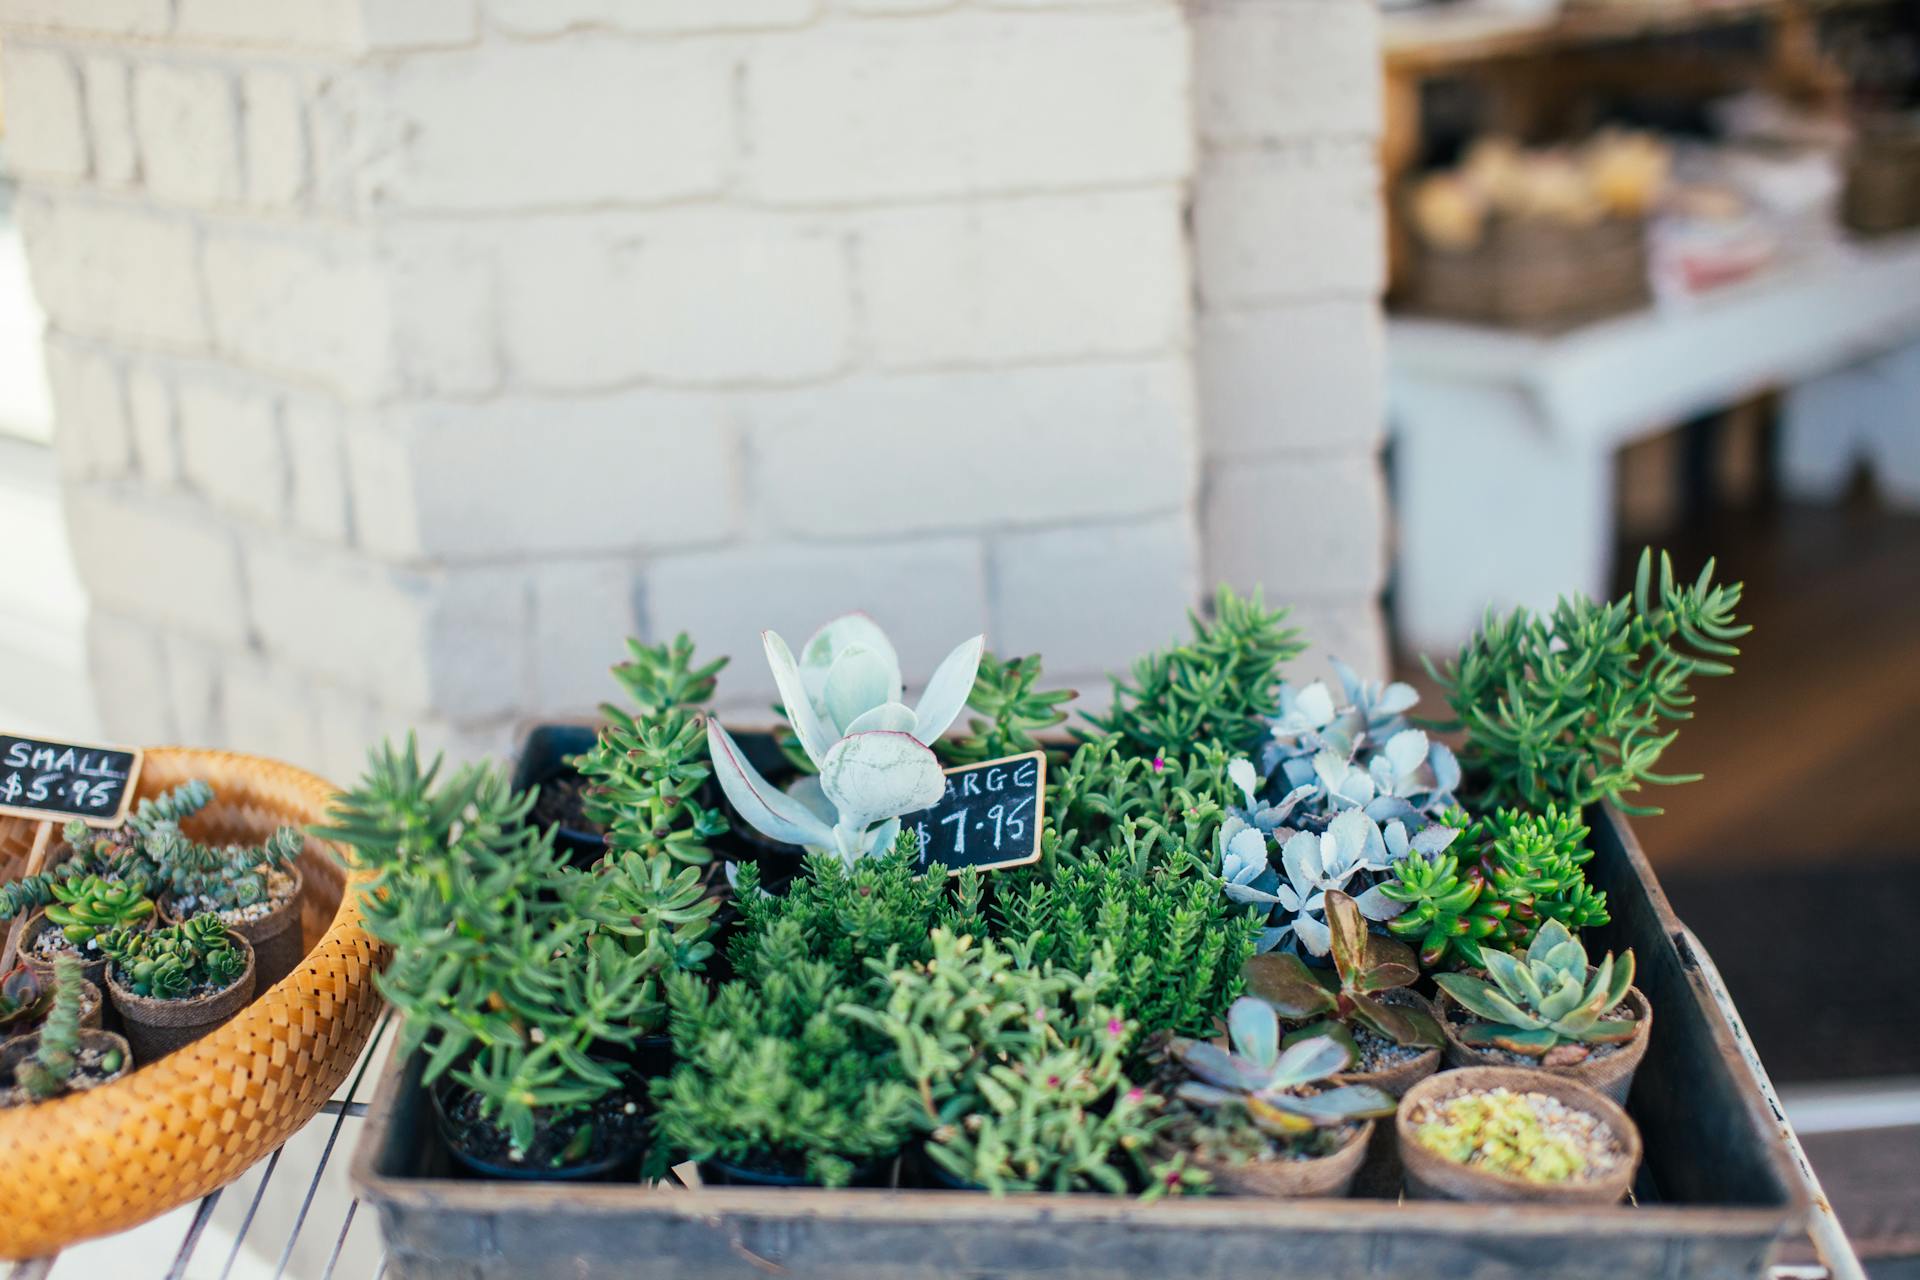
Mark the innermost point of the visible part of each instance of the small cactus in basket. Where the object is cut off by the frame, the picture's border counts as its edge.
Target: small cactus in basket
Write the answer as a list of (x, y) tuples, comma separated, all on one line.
[(50, 1071), (1548, 1004)]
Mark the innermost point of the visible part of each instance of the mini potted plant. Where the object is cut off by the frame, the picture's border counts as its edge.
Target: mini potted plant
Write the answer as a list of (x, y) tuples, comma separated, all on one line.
[(1549, 1009), (26, 995), (64, 1056), (253, 889), (83, 910), (174, 984), (775, 1085), (1261, 1124), (1504, 1133)]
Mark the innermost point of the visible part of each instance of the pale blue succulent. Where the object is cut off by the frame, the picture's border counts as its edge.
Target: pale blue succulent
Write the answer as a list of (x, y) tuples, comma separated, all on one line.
[(1353, 855)]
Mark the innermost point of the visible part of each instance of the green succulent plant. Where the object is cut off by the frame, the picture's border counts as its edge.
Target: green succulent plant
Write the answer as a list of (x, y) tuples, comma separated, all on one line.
[(521, 978), (1011, 710), (177, 961), (1212, 690), (1501, 1131), (646, 771), (87, 907), (219, 878), (774, 1069), (56, 1053), (1572, 708), (1272, 1082), (1548, 1004), (1331, 1002), (1524, 869)]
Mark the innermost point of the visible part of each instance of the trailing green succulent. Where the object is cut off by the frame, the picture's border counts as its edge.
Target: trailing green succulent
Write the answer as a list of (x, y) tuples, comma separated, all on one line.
[(219, 878), (1501, 1131), (1572, 708), (56, 1055), (1018, 1068), (773, 1069), (872, 751), (198, 956), (646, 770), (1174, 801), (1332, 1001), (88, 907), (1011, 711), (851, 914), (521, 977), (1211, 690), (1548, 1004), (1527, 868), (1275, 1086)]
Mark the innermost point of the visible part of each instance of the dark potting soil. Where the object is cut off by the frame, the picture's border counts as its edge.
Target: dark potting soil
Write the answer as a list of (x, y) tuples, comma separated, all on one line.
[(562, 802), (619, 1125)]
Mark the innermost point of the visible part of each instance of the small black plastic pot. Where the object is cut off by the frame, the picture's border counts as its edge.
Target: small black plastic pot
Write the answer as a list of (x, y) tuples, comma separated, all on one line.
[(725, 1173), (547, 754), (615, 1162)]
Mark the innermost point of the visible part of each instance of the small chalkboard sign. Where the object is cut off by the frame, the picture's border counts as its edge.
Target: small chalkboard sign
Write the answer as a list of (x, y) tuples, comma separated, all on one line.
[(53, 781), (989, 817)]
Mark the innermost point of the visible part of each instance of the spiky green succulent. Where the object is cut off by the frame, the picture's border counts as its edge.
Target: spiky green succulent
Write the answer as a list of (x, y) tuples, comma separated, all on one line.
[(88, 907), (1274, 1083), (1011, 710), (1548, 1004)]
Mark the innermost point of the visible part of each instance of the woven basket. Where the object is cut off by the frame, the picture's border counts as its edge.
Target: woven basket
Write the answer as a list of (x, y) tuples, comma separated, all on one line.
[(169, 1133)]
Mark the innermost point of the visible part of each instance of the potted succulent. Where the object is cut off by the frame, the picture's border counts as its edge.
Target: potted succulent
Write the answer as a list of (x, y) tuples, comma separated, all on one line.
[(525, 981), (253, 889), (84, 909), (775, 1085), (63, 1056), (1504, 1133), (26, 995), (1549, 1009), (1262, 1124), (176, 983)]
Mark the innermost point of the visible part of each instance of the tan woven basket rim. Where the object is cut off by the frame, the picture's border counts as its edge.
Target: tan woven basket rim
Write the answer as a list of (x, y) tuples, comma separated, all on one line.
[(174, 1130)]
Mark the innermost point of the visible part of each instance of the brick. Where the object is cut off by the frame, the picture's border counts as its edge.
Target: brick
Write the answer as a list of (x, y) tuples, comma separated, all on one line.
[(115, 273), (344, 25), (116, 155), (1050, 278), (193, 676), (443, 287), (583, 612), (91, 430), (1094, 596), (46, 125), (1353, 631), (96, 17), (156, 448), (1304, 377), (550, 17), (526, 477), (708, 299), (1254, 210), (967, 450), (275, 138), (317, 463), (665, 131), (929, 594), (162, 560), (128, 668), (187, 120), (1306, 528), (350, 724), (230, 447), (310, 305), (449, 641), (968, 103), (896, 6), (269, 709), (1271, 71)]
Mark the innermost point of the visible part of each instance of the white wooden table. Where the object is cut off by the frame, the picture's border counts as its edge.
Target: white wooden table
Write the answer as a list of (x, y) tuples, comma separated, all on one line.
[(1504, 441)]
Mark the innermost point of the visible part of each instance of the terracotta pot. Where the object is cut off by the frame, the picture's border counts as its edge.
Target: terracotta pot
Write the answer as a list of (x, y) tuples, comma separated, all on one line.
[(1327, 1177), (157, 1027), (20, 1048), (1610, 1073), (1431, 1176), (1379, 1177), (275, 936)]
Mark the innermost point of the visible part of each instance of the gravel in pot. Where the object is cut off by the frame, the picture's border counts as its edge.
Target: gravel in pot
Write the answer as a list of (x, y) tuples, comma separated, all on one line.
[(1510, 1134)]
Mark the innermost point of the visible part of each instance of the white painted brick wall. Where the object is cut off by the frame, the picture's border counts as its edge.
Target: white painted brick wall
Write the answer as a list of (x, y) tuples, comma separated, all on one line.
[(275, 137), (1096, 596), (90, 402), (116, 154), (163, 559), (316, 446), (1253, 211), (583, 612), (50, 140), (187, 121), (308, 305), (1270, 71), (1294, 377), (114, 272), (101, 17), (156, 448), (231, 450), (1323, 517), (549, 17)]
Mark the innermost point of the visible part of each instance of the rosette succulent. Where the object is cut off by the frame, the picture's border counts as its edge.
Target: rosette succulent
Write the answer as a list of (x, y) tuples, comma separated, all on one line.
[(1548, 1004), (843, 698), (1275, 1084)]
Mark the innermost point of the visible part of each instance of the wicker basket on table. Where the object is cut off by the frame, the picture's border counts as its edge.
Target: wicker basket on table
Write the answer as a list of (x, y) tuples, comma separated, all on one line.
[(173, 1130)]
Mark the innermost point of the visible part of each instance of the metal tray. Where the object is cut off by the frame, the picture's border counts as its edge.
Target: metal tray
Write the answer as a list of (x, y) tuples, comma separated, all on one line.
[(1717, 1195)]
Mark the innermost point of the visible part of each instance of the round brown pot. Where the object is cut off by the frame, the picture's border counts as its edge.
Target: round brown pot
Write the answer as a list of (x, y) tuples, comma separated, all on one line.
[(157, 1027), (1379, 1177), (19, 1048), (275, 936), (1431, 1176), (93, 965), (1326, 1176), (1610, 1073)]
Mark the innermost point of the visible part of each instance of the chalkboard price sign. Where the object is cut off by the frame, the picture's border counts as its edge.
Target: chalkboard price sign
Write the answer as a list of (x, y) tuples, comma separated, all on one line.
[(989, 817), (54, 781)]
